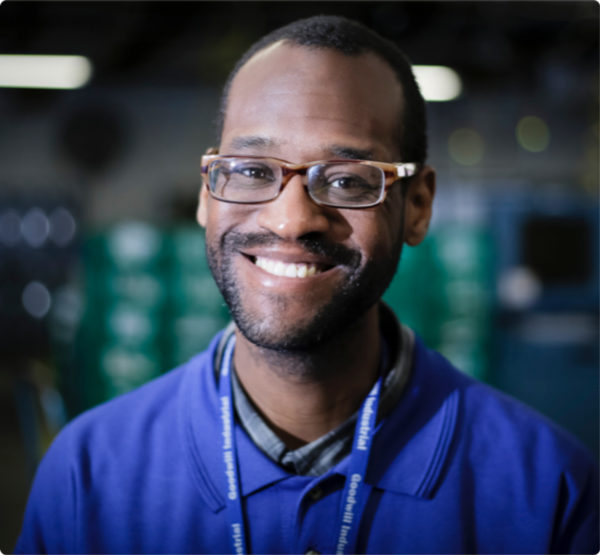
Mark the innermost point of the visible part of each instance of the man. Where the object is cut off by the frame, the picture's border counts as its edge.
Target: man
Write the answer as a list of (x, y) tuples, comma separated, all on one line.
[(315, 423)]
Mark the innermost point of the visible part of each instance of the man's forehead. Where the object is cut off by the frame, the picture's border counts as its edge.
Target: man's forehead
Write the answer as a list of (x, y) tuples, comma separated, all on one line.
[(350, 102)]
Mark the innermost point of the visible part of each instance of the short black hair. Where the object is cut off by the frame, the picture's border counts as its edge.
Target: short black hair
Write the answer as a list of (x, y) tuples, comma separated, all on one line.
[(351, 39)]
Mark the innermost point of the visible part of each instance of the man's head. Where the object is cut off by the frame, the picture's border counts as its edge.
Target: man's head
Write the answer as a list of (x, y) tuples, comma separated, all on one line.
[(295, 272), (351, 39)]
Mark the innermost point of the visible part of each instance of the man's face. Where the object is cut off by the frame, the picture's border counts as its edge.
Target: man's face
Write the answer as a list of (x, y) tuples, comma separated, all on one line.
[(302, 105)]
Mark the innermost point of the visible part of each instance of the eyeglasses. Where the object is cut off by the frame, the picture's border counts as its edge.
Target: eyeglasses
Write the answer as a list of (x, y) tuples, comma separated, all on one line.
[(338, 183)]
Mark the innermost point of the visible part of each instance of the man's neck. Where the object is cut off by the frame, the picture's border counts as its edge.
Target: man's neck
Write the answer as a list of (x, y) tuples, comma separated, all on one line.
[(303, 395)]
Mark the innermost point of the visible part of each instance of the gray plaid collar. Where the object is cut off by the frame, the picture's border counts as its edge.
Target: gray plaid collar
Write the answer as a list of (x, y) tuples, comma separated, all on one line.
[(319, 456)]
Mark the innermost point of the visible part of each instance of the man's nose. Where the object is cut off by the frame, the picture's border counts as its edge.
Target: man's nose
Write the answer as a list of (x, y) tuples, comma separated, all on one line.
[(293, 213)]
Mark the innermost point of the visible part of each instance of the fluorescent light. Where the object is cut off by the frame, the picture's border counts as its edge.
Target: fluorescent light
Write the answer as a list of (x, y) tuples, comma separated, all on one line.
[(438, 83), (44, 71)]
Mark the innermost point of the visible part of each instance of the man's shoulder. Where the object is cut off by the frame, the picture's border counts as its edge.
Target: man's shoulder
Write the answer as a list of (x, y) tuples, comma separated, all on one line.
[(461, 443), (125, 454)]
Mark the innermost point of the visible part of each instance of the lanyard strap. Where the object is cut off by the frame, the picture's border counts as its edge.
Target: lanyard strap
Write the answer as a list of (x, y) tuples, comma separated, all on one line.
[(235, 515), (356, 491)]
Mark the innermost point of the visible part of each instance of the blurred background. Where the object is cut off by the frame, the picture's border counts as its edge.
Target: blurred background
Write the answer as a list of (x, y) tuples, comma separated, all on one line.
[(103, 281)]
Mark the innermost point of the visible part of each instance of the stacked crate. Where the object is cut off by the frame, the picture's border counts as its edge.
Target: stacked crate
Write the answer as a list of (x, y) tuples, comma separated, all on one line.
[(126, 300), (443, 290), (196, 309), (151, 304)]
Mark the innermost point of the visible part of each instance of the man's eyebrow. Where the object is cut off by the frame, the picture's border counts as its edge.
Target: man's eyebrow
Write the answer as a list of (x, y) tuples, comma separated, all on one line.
[(351, 153), (337, 151), (251, 141)]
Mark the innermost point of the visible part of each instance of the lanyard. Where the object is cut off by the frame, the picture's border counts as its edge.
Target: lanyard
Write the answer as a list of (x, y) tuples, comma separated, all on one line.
[(355, 493), (234, 500)]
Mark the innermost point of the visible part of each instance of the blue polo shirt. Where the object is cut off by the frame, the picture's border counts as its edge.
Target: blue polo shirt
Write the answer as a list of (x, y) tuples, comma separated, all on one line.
[(456, 467)]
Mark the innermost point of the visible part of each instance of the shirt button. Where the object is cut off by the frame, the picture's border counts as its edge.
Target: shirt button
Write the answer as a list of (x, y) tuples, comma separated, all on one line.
[(315, 494)]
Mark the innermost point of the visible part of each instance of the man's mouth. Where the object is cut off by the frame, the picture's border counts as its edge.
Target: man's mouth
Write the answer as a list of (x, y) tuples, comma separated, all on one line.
[(286, 269)]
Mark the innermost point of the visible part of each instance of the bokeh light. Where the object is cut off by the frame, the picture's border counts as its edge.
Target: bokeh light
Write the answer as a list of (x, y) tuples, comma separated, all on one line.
[(36, 299), (533, 134), (466, 146), (35, 227), (438, 83), (62, 226)]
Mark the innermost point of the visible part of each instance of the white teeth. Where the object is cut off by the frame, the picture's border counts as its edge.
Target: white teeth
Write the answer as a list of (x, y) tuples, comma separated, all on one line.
[(278, 268), (301, 271), (291, 270)]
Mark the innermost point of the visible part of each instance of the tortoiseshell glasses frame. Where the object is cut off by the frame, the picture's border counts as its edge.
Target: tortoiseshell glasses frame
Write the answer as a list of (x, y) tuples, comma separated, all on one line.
[(341, 183)]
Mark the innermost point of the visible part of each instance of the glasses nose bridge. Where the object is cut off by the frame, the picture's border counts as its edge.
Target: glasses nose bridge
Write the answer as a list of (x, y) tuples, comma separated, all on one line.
[(290, 170)]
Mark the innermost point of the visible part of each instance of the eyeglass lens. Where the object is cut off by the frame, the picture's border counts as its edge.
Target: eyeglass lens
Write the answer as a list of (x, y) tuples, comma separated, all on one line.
[(245, 180)]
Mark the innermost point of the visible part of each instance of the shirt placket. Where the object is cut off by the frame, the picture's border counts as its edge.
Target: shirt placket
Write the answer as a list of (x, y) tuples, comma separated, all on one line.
[(314, 532)]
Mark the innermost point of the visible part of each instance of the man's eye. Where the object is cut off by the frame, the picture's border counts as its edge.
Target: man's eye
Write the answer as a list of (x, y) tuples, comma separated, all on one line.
[(347, 182), (255, 172)]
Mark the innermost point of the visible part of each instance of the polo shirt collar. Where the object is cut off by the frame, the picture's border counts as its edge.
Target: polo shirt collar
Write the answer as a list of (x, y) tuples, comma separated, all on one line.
[(200, 428), (409, 450), (412, 445)]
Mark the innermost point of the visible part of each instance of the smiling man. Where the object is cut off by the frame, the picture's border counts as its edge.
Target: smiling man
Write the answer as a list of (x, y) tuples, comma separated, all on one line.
[(316, 422)]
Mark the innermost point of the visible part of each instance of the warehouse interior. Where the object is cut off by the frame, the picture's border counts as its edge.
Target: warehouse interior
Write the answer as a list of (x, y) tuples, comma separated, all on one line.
[(103, 280)]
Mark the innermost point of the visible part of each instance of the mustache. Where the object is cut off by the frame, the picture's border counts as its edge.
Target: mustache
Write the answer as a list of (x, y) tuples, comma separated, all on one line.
[(336, 253)]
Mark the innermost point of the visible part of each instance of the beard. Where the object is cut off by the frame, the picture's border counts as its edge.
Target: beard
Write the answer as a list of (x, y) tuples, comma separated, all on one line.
[(364, 285)]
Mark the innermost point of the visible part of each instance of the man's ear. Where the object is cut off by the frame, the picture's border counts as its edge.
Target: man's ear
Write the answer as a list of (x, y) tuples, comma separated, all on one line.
[(418, 205), (202, 212)]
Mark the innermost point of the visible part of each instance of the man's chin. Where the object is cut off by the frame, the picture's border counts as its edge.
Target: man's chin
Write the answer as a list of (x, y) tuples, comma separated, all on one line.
[(278, 334)]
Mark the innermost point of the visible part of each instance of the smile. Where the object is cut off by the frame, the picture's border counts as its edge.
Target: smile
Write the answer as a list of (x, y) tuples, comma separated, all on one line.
[(285, 269)]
